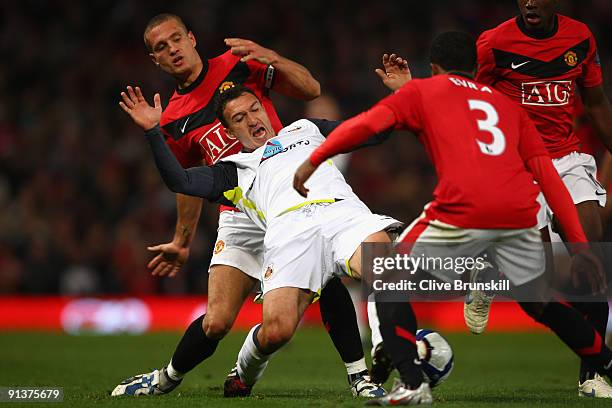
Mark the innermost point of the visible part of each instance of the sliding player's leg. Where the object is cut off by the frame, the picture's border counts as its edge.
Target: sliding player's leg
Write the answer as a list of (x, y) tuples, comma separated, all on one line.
[(227, 289), (282, 311)]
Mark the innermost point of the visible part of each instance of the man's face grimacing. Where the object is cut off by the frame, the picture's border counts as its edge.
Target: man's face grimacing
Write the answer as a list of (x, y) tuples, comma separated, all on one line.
[(538, 14), (248, 121), (172, 48)]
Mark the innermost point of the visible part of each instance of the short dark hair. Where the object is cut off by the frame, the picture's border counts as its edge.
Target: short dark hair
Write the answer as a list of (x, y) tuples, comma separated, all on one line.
[(157, 20), (227, 95), (454, 51)]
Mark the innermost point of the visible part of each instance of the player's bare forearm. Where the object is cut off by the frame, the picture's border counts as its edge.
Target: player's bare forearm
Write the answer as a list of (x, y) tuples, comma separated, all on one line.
[(294, 80), (600, 111), (188, 210)]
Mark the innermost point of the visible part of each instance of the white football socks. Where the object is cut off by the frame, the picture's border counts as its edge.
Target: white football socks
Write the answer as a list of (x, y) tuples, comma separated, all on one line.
[(356, 367), (172, 373), (251, 361)]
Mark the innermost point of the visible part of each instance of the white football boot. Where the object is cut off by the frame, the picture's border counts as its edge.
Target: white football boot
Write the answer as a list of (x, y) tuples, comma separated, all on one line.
[(477, 305), (156, 382), (402, 395), (363, 386), (598, 387)]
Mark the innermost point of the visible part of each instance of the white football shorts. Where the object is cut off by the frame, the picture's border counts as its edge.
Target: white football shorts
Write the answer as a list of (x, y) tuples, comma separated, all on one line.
[(307, 247), (578, 172), (239, 243), (517, 253)]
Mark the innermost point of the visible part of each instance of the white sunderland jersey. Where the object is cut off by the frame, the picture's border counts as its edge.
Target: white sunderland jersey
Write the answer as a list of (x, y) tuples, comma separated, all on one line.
[(265, 176), (260, 183)]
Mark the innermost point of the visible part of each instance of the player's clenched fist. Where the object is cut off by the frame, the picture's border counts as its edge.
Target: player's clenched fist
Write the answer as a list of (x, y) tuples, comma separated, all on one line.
[(135, 105), (249, 50)]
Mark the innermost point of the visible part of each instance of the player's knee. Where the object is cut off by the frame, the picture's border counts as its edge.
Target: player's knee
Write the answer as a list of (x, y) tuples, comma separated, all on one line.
[(216, 327), (277, 333)]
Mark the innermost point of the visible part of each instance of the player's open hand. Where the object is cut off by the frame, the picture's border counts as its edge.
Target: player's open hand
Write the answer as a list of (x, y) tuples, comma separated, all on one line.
[(135, 105), (302, 174), (169, 260), (396, 72), (587, 271), (249, 50)]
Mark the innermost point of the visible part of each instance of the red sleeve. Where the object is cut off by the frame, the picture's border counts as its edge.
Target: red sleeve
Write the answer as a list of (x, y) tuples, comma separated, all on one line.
[(486, 61), (407, 107), (530, 140), (591, 74), (558, 198), (353, 132)]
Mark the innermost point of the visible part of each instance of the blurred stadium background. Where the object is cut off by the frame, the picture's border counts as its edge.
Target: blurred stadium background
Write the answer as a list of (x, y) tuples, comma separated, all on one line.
[(79, 196)]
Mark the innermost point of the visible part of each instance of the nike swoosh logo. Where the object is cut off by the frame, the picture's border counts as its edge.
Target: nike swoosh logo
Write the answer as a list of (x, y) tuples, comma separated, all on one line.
[(515, 66), (607, 366), (184, 125)]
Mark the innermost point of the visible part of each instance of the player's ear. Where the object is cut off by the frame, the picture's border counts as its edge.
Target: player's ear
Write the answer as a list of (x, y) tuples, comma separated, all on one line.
[(192, 38), (152, 56), (229, 133), (436, 69)]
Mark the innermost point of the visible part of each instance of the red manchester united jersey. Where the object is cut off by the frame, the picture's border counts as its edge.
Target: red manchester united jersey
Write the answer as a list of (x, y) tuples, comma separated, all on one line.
[(478, 141), (192, 130), (541, 73)]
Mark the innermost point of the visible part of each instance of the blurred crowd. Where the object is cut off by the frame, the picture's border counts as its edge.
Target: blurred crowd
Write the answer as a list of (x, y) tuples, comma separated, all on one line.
[(80, 199)]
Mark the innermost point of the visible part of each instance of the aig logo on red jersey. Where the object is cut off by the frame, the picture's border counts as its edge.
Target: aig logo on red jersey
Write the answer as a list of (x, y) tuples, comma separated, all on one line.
[(216, 142), (546, 93)]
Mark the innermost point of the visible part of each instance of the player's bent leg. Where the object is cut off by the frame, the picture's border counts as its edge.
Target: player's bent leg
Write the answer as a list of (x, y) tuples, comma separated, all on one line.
[(228, 287), (578, 334), (340, 320), (596, 313), (282, 311), (398, 329), (355, 260)]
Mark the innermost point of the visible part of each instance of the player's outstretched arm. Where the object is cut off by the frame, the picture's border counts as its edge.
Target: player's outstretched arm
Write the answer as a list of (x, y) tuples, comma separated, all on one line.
[(600, 111), (205, 182), (344, 138), (291, 78), (172, 255), (395, 72)]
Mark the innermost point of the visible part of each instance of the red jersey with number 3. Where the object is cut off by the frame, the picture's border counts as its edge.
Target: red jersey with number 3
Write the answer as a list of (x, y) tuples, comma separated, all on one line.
[(540, 72), (478, 141), (193, 132)]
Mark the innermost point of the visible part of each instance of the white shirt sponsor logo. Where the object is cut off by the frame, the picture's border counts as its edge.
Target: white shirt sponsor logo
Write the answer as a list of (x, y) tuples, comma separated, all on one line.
[(546, 93)]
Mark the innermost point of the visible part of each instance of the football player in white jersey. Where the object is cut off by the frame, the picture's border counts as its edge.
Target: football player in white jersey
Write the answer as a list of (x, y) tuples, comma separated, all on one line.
[(306, 243)]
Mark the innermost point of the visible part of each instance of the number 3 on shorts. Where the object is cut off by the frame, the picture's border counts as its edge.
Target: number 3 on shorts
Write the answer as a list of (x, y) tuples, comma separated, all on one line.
[(498, 145)]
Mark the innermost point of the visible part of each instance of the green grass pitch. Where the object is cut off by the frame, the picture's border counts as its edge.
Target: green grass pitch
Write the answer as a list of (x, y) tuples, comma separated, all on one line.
[(502, 370)]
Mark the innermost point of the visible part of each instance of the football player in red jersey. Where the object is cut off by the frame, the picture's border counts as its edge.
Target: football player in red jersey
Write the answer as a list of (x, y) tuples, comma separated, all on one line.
[(196, 137), (487, 154), (540, 59)]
